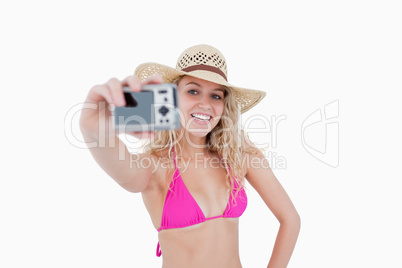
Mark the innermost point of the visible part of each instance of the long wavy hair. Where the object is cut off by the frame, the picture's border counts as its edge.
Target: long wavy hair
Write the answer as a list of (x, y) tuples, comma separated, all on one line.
[(227, 138)]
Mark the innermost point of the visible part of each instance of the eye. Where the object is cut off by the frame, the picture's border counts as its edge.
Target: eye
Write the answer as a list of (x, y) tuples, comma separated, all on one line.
[(192, 92), (217, 97)]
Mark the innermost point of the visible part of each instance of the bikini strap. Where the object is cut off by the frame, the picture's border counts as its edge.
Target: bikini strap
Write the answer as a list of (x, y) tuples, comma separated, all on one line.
[(236, 185), (177, 172), (174, 157), (224, 161), (158, 250)]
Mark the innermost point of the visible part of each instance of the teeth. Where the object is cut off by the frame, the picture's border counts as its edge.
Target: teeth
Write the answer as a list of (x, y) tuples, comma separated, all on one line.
[(201, 116)]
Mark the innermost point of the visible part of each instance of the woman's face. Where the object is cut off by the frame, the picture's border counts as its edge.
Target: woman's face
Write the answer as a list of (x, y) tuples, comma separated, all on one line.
[(201, 103)]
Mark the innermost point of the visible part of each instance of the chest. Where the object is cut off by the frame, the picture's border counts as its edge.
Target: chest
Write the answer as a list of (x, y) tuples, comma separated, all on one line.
[(206, 182)]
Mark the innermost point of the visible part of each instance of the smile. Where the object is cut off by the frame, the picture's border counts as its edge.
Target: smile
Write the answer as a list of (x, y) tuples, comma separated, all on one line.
[(201, 117)]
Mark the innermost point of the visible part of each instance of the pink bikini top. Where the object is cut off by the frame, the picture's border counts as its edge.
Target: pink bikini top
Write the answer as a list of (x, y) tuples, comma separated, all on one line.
[(181, 210)]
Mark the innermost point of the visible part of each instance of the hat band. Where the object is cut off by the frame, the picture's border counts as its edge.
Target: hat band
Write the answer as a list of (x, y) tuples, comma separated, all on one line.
[(209, 68)]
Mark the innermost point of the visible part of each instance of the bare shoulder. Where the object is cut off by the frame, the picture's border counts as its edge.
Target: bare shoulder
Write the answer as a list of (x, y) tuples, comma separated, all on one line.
[(253, 156), (263, 180), (160, 167)]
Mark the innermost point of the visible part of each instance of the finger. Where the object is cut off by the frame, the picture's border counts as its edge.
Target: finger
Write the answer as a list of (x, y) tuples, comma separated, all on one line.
[(145, 135), (142, 135), (116, 91), (133, 82), (101, 93), (150, 134)]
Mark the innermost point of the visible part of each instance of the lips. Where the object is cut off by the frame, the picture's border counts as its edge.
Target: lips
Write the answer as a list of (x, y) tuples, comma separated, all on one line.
[(201, 117)]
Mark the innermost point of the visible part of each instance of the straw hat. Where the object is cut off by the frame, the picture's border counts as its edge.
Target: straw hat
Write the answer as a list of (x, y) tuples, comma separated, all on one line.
[(204, 62)]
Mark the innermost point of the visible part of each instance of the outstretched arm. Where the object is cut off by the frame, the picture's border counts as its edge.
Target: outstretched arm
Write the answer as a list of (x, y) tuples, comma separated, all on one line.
[(111, 153)]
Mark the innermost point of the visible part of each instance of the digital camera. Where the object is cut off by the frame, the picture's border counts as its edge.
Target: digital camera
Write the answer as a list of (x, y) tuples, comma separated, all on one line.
[(155, 107)]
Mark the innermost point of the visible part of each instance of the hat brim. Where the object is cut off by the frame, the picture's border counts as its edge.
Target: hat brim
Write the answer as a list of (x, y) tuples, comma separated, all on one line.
[(247, 98)]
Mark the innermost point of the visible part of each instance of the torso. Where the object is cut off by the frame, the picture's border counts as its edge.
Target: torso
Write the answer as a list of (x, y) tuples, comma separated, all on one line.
[(213, 243)]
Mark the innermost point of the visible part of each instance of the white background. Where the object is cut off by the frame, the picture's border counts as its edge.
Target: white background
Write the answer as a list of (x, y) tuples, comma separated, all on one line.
[(59, 209)]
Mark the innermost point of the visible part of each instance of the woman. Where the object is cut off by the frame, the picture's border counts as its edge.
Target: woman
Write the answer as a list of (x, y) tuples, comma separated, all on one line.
[(194, 188)]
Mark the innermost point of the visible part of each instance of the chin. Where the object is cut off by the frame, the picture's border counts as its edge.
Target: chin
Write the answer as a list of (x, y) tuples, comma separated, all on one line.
[(198, 130), (198, 133)]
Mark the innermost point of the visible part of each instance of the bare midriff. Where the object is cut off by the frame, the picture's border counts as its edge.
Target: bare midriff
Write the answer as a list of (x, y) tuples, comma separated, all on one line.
[(214, 243)]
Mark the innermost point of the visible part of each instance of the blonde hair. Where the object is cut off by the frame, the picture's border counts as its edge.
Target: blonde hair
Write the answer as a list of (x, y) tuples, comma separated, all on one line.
[(227, 138)]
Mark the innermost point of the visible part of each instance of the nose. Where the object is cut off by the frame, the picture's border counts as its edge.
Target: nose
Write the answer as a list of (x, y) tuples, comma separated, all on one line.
[(205, 102)]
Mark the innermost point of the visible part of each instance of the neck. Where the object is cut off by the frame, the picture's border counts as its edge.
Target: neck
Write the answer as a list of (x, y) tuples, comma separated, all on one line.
[(193, 147)]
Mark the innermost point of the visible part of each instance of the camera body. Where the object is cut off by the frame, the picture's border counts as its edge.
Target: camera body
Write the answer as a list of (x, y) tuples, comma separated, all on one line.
[(155, 107)]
